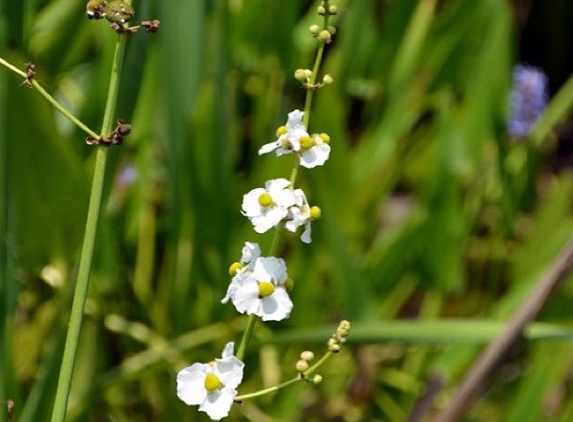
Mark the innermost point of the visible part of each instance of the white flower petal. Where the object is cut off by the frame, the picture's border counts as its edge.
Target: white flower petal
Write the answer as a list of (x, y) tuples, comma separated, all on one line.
[(270, 270), (315, 156), (251, 251), (269, 147), (276, 307), (218, 404), (295, 120), (191, 384), (305, 237)]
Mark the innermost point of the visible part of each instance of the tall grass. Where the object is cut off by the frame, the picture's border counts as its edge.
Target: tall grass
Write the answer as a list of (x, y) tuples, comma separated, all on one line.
[(435, 224)]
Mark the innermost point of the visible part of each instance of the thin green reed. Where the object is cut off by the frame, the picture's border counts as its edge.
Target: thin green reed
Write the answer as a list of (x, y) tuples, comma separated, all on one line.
[(117, 13), (82, 282)]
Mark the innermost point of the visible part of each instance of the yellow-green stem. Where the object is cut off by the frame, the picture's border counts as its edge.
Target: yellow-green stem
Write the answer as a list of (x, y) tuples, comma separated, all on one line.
[(82, 282), (51, 100), (304, 377), (246, 337)]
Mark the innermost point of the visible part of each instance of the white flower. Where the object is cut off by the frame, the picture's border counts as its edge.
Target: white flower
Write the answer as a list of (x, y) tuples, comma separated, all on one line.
[(293, 137), (315, 151), (261, 291), (288, 135), (301, 215), (212, 386), (267, 207), (251, 251)]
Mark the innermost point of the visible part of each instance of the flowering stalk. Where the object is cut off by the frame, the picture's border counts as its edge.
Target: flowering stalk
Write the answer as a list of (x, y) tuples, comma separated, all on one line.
[(260, 285)]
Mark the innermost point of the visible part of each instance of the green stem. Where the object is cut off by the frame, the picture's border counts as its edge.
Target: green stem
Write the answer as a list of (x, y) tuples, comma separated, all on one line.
[(312, 80), (268, 390), (51, 100), (82, 282), (302, 377), (246, 337)]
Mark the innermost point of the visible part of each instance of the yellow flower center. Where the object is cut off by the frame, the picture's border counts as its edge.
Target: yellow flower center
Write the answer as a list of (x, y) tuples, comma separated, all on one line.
[(315, 212), (266, 289), (282, 131), (289, 285), (306, 142), (265, 199), (234, 268), (325, 138), (212, 382)]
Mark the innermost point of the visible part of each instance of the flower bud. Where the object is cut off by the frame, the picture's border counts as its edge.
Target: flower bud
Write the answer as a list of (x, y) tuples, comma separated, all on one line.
[(314, 29), (307, 355), (301, 365), (321, 10), (332, 29), (317, 379), (327, 79), (333, 9), (325, 36), (300, 75)]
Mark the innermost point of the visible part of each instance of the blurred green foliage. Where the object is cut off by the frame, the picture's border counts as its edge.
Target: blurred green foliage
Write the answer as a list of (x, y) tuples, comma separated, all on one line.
[(430, 212)]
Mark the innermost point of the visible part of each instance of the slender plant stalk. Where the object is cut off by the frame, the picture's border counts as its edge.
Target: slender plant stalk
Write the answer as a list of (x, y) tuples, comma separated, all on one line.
[(82, 282), (476, 379)]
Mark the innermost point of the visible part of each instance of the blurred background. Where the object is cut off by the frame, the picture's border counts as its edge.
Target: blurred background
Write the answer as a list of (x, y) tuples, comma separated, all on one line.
[(432, 214)]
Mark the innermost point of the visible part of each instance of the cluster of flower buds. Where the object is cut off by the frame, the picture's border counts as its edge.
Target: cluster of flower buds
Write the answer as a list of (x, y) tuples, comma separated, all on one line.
[(305, 76), (339, 338), (324, 34), (118, 13)]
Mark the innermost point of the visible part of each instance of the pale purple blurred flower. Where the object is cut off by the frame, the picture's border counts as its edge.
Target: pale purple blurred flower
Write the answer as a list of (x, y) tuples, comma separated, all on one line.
[(528, 99)]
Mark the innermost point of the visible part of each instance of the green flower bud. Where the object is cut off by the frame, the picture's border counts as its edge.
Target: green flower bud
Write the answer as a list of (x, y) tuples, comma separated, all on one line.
[(317, 379), (321, 10), (95, 9), (119, 12), (333, 9), (313, 29)]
